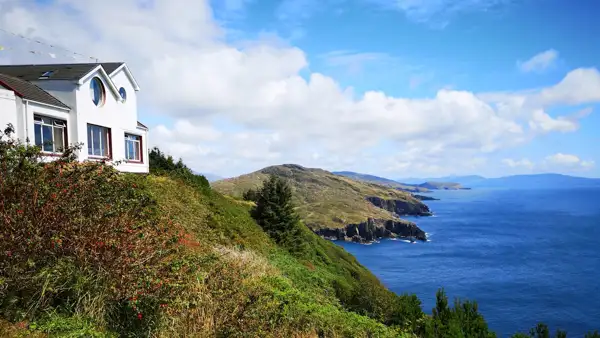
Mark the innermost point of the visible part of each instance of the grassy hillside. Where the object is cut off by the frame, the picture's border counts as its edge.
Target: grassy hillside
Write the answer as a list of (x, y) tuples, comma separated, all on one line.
[(381, 180), (322, 198), (163, 255), (90, 252)]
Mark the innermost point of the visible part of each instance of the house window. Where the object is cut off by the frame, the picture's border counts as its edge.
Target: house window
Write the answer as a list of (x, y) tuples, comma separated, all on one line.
[(123, 94), (98, 141), (133, 147), (50, 134), (97, 91)]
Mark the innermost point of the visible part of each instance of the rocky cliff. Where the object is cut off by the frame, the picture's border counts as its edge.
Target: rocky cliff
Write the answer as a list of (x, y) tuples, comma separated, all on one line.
[(374, 229), (400, 207)]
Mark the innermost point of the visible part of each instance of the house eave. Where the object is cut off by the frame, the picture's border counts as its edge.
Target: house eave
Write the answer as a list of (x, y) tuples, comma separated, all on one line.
[(124, 67), (46, 105)]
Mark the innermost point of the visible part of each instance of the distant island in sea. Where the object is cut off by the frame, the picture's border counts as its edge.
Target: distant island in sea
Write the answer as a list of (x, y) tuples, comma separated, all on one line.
[(533, 181)]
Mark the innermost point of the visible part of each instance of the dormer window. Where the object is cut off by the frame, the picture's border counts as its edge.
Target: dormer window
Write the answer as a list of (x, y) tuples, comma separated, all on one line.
[(47, 74), (97, 92)]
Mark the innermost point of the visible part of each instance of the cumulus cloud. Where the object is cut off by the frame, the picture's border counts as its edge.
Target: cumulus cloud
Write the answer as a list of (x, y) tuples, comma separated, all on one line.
[(522, 163), (234, 106), (568, 161), (539, 62)]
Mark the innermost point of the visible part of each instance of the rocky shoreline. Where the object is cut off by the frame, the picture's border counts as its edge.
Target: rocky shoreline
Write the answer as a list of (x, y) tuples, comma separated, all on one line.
[(399, 207), (425, 198), (373, 229)]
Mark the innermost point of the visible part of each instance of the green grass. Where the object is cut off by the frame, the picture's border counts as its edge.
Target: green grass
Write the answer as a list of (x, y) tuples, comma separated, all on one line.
[(320, 288), (323, 200)]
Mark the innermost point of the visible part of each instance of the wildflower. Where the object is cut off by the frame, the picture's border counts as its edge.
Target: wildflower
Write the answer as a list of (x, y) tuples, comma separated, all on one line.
[(53, 196), (20, 212), (9, 253), (139, 316)]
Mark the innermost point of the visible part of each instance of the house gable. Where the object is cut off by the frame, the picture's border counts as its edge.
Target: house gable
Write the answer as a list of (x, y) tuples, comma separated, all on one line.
[(123, 67), (99, 71)]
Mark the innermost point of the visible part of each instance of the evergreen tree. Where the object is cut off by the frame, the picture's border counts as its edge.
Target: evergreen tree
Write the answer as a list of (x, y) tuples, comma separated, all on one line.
[(274, 212), (250, 195)]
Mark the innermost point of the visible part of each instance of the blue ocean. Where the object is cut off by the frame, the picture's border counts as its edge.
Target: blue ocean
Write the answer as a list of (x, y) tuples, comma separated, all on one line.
[(525, 256)]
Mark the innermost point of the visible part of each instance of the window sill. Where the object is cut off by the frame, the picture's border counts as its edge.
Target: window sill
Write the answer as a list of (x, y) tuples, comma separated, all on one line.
[(134, 162), (51, 154), (99, 158)]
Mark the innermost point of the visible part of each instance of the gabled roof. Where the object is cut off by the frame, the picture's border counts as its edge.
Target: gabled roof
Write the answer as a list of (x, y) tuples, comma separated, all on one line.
[(60, 71), (29, 91), (141, 125)]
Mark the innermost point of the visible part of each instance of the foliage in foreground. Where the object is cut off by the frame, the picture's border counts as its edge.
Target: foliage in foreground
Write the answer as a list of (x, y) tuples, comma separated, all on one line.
[(181, 261), (79, 238)]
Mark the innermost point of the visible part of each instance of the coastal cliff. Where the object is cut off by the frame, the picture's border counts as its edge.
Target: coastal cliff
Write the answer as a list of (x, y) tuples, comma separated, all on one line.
[(400, 207), (372, 230), (335, 206)]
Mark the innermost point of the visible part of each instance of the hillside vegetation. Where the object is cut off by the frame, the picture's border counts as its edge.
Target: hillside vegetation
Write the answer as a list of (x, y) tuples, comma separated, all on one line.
[(90, 252), (323, 199), (381, 181)]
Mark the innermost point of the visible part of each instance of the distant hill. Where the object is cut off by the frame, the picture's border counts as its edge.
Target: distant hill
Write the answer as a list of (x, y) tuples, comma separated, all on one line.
[(442, 186), (463, 180), (337, 206), (210, 177), (381, 180), (534, 181), (538, 181)]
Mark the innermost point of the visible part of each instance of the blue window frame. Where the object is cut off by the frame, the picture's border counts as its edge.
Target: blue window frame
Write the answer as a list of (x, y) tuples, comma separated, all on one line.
[(97, 91), (123, 94)]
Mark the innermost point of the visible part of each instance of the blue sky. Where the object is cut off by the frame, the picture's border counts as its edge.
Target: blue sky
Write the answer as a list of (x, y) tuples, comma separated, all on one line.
[(474, 47), (395, 88)]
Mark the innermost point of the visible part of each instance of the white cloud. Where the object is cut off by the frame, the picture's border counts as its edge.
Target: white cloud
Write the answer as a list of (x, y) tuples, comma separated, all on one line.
[(522, 163), (543, 123), (560, 160), (274, 109), (539, 62)]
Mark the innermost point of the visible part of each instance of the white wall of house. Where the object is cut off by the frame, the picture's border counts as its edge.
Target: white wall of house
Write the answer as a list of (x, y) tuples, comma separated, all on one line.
[(8, 109), (120, 117)]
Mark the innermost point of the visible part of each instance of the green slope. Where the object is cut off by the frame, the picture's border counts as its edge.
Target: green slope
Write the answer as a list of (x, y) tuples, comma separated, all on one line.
[(324, 200)]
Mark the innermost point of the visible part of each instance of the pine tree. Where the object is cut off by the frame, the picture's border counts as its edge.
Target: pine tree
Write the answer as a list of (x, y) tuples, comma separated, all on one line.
[(274, 211)]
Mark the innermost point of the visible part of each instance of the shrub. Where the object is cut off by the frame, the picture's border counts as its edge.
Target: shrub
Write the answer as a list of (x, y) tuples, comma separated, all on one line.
[(463, 320), (79, 238), (162, 164)]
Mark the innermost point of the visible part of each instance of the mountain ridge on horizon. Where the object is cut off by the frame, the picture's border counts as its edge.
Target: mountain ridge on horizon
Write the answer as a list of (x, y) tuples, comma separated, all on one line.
[(542, 180)]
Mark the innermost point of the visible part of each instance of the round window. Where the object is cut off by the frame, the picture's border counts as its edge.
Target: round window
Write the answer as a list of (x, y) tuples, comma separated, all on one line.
[(123, 94), (97, 91)]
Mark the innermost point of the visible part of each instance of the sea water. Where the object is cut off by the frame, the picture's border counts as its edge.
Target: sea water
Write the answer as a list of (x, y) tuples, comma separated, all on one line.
[(525, 256)]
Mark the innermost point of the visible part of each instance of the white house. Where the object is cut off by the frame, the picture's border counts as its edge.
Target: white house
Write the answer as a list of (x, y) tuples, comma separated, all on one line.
[(55, 105)]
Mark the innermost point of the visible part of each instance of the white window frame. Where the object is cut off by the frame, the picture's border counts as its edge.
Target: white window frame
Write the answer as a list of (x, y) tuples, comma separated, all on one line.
[(56, 123), (102, 146), (138, 143)]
